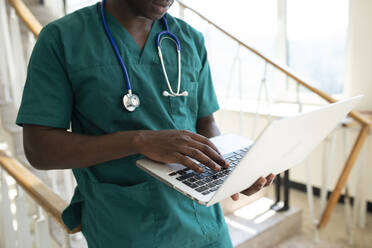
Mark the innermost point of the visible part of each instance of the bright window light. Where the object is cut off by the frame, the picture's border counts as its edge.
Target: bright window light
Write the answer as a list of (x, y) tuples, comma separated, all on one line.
[(317, 41)]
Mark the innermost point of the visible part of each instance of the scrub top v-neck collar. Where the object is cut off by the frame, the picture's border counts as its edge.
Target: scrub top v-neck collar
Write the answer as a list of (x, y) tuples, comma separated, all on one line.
[(124, 38)]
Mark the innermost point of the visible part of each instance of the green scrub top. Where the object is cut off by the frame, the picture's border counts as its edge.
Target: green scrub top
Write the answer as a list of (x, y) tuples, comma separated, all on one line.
[(74, 77)]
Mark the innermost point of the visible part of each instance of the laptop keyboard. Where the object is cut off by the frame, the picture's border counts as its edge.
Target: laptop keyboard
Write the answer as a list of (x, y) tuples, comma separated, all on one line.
[(209, 181)]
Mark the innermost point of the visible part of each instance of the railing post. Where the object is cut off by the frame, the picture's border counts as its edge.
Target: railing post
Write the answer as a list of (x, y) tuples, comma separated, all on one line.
[(68, 184), (8, 232), (2, 244), (53, 175), (30, 45), (9, 56), (347, 203), (235, 63), (240, 84), (298, 99), (18, 52), (23, 220), (310, 199), (328, 155), (66, 240), (42, 235), (360, 201), (349, 219), (181, 11), (263, 85), (5, 95), (56, 7)]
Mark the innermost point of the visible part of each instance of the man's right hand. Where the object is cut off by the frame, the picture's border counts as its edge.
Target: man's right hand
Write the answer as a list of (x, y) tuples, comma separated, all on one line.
[(178, 146)]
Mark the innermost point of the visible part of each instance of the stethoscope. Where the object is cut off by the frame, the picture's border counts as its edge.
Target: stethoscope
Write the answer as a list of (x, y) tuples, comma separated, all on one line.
[(131, 101)]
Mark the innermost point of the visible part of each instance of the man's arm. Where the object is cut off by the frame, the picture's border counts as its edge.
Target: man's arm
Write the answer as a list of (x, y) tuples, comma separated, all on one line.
[(207, 127), (53, 148)]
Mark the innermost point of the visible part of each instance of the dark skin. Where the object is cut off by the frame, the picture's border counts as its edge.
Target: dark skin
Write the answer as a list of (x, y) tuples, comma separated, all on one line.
[(52, 148)]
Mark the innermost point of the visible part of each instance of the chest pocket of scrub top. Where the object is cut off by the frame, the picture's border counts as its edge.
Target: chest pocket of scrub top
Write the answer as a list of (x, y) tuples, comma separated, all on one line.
[(184, 109)]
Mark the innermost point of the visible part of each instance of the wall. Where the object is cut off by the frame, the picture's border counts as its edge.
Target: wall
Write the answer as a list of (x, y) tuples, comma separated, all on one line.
[(359, 54)]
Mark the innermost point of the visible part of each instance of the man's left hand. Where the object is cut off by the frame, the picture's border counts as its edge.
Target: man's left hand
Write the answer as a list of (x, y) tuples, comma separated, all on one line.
[(257, 186)]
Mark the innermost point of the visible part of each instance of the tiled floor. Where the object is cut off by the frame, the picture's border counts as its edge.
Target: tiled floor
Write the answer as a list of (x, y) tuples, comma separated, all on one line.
[(334, 235)]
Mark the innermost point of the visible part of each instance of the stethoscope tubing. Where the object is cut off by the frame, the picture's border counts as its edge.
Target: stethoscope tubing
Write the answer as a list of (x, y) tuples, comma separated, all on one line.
[(165, 34), (116, 50)]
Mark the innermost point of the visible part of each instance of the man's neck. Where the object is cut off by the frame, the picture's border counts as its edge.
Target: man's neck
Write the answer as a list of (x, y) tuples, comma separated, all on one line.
[(138, 26), (127, 16)]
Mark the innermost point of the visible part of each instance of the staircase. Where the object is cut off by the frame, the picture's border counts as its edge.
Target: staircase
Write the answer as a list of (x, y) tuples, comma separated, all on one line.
[(256, 225)]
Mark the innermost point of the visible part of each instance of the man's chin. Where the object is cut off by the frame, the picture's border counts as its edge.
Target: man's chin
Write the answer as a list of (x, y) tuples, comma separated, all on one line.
[(158, 11), (156, 16)]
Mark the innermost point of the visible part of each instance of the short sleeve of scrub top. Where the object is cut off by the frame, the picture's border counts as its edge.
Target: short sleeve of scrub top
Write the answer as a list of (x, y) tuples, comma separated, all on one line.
[(47, 97), (74, 77), (205, 97)]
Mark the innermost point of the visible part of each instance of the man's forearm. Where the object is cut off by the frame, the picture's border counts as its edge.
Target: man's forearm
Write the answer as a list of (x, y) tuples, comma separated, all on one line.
[(51, 148), (59, 149), (207, 127)]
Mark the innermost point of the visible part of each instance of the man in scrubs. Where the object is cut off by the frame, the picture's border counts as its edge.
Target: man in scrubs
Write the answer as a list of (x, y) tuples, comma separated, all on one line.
[(74, 78)]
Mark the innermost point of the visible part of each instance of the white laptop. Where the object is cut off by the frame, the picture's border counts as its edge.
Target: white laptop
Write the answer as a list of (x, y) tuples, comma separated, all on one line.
[(282, 145)]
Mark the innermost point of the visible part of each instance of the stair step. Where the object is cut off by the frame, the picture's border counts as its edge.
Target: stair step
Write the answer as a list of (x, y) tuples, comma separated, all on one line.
[(256, 225)]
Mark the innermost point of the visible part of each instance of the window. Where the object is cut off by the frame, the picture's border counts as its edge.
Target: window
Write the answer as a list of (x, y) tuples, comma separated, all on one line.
[(316, 33), (236, 72)]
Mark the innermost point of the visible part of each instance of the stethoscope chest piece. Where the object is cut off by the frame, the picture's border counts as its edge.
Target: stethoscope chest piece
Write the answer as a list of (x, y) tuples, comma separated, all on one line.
[(131, 102)]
